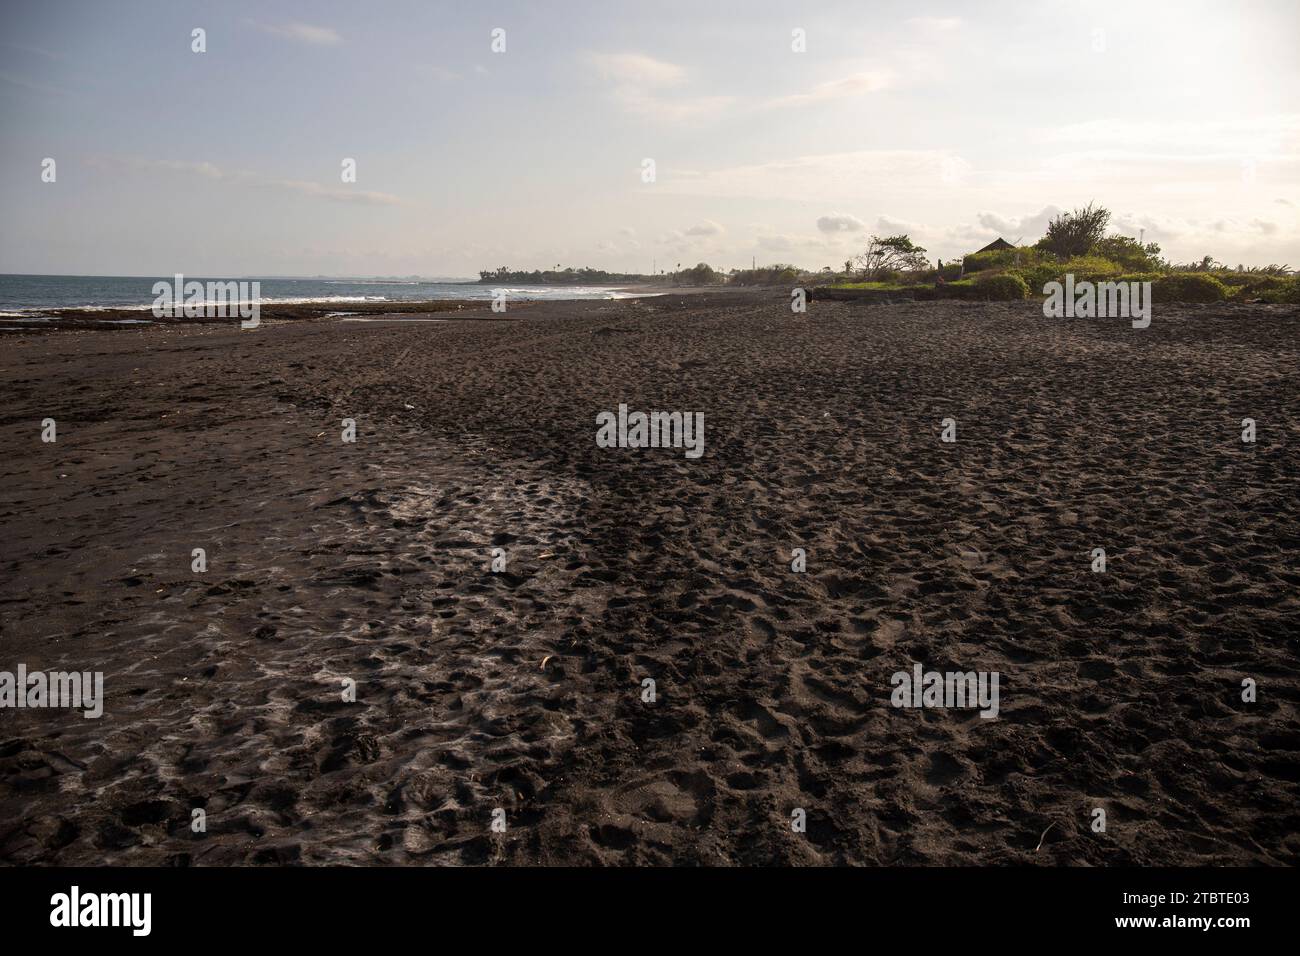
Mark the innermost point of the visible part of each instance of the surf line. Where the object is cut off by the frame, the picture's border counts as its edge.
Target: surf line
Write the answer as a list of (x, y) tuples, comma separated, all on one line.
[(655, 430)]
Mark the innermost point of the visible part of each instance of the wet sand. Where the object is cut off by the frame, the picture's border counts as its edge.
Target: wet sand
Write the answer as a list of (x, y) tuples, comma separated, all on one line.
[(522, 690)]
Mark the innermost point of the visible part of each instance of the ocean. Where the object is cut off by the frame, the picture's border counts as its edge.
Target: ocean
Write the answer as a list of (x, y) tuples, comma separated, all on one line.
[(26, 295)]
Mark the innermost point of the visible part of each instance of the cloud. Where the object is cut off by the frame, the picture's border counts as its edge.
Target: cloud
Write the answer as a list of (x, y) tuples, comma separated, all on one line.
[(35, 50), (29, 85), (935, 23), (1148, 227), (870, 81), (644, 87), (891, 226), (1177, 157), (1238, 137), (301, 32), (705, 228), (664, 110), (656, 89), (339, 193), (775, 243), (1034, 224), (637, 68), (438, 72), (177, 165), (865, 176), (1264, 226), (840, 222)]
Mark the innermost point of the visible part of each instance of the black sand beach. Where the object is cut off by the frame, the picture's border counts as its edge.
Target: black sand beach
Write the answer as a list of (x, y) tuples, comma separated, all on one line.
[(522, 690)]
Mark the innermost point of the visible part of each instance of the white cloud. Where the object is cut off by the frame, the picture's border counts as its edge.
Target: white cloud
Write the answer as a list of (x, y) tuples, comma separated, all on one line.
[(29, 85), (870, 81), (670, 110), (301, 32), (868, 175), (1240, 136), (644, 87), (637, 68), (656, 89), (1010, 228), (840, 222), (438, 72), (774, 242), (336, 193), (177, 165), (705, 228), (339, 193), (935, 23), (891, 226)]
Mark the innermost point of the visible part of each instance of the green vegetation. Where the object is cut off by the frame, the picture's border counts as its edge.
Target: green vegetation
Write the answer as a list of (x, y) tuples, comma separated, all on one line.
[(1076, 233), (503, 275), (1020, 258), (1075, 244), (1188, 287), (873, 286), (999, 287), (701, 274), (891, 256), (1128, 253), (1251, 284), (1288, 293), (780, 274)]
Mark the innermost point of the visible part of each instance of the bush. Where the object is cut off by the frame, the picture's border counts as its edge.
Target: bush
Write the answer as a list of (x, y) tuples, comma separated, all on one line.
[(1023, 257), (999, 287), (1288, 293), (1189, 287), (890, 254), (1248, 285), (780, 274), (1089, 269), (1128, 253), (702, 274), (1235, 279), (1037, 277), (1151, 277), (1074, 233)]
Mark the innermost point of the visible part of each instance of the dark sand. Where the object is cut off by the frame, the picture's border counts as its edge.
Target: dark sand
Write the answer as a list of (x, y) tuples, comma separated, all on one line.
[(370, 561)]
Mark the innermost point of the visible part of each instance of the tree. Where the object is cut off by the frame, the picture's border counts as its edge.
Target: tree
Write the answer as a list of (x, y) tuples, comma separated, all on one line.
[(892, 254), (1075, 233), (1132, 255), (701, 274)]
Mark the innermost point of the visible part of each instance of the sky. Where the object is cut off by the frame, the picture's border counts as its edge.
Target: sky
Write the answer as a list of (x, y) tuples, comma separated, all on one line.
[(951, 122)]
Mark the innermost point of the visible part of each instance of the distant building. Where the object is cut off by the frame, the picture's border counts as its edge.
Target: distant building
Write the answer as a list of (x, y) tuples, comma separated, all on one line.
[(997, 245)]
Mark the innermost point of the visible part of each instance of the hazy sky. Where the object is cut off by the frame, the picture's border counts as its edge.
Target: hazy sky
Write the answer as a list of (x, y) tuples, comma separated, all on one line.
[(954, 122)]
